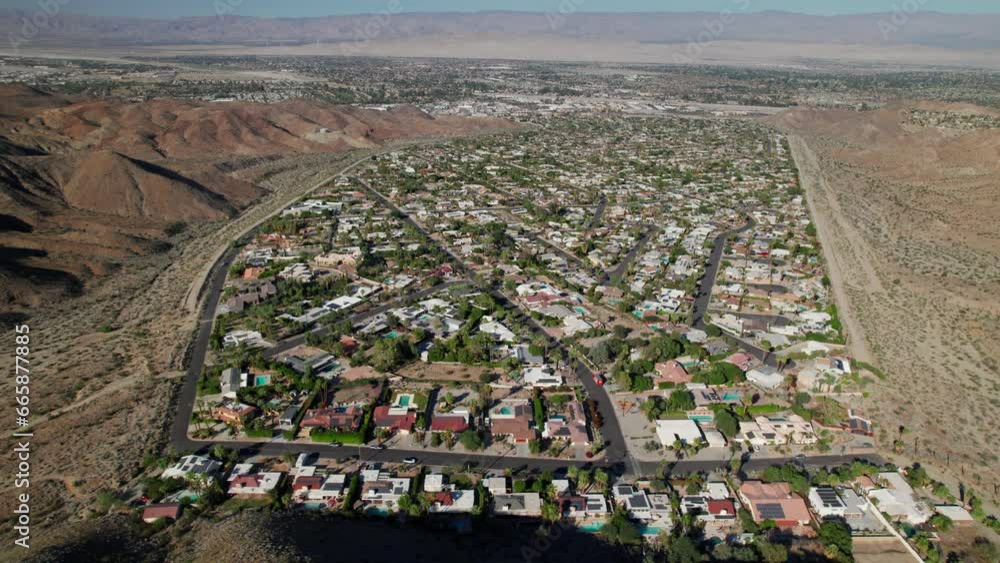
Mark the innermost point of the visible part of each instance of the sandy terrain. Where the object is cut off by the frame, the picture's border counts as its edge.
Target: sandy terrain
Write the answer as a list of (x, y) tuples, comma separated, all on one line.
[(740, 53), (907, 216)]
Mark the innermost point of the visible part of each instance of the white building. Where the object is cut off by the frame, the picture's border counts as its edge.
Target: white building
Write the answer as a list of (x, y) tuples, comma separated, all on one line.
[(193, 467), (777, 430), (669, 431), (898, 500), (541, 376)]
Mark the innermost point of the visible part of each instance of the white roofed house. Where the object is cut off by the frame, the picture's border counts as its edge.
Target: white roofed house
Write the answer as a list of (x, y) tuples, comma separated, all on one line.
[(246, 480), (670, 431), (898, 500), (193, 467), (777, 430), (496, 330), (541, 376)]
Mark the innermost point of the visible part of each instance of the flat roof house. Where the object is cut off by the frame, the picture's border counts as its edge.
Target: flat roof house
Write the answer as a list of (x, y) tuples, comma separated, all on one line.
[(518, 504), (193, 467)]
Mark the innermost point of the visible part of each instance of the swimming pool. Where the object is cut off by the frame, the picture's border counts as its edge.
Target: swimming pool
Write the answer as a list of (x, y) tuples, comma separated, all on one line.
[(701, 417), (731, 397), (592, 528)]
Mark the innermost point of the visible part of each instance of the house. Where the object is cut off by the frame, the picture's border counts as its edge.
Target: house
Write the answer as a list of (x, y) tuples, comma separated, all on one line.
[(660, 508), (395, 419), (774, 501), (669, 431), (451, 502), (513, 418), (496, 330), (233, 412), (777, 430), (765, 377), (633, 500), (384, 492), (572, 427), (708, 509), (826, 502), (193, 467), (450, 422), (230, 381), (898, 500), (496, 485), (741, 360), (154, 512), (518, 504), (318, 488), (541, 376), (672, 372), (246, 481), (584, 506), (334, 418)]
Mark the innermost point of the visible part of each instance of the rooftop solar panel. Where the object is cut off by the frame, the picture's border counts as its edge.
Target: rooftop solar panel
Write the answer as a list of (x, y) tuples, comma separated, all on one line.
[(771, 511)]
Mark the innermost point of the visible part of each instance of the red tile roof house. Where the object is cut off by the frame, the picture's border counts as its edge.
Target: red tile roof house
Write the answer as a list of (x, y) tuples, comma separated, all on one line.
[(672, 372), (514, 419), (338, 418), (396, 420), (450, 422), (740, 360), (722, 509), (232, 412), (519, 429), (154, 512), (774, 501)]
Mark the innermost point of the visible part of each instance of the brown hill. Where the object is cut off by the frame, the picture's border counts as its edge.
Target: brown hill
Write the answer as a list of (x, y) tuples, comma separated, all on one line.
[(906, 203), (85, 184)]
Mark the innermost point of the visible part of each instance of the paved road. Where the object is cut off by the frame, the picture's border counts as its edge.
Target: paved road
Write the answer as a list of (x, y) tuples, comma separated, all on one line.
[(598, 213), (623, 266), (704, 290)]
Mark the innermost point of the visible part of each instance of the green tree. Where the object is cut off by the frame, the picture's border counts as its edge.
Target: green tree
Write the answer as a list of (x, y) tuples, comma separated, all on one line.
[(471, 440), (620, 530), (727, 423), (683, 550), (771, 552), (835, 535), (550, 511)]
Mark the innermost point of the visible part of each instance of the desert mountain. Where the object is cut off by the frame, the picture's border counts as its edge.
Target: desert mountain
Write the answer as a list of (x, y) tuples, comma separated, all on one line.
[(86, 184), (925, 27)]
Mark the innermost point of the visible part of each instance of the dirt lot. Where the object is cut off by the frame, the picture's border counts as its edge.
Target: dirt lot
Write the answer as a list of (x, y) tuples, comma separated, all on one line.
[(907, 217), (880, 550)]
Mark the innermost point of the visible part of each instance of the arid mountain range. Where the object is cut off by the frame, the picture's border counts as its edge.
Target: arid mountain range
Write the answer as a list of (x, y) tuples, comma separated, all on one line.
[(738, 36), (921, 28), (85, 184)]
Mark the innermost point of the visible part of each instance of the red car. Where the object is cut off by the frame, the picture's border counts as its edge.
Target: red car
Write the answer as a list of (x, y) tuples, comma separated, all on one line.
[(599, 379)]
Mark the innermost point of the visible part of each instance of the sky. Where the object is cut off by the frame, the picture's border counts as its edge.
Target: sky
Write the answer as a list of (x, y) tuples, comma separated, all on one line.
[(308, 8)]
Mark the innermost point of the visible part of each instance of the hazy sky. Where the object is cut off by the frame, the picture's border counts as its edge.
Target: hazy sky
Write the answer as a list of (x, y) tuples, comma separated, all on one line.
[(300, 8)]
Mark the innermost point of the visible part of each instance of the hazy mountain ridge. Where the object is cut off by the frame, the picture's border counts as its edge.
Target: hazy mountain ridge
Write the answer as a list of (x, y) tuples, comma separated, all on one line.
[(928, 28)]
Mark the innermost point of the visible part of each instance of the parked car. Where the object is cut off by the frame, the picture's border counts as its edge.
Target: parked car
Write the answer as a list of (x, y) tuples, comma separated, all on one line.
[(410, 460), (599, 378)]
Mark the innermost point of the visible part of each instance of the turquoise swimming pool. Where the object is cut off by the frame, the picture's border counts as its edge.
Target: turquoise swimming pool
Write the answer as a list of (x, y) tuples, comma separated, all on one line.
[(731, 397), (592, 528), (701, 417)]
